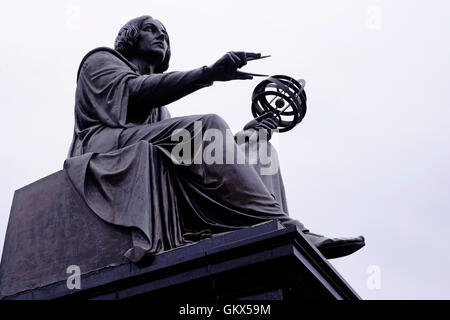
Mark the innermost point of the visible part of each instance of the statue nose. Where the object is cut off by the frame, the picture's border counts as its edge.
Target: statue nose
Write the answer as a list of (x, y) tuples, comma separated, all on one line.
[(160, 35)]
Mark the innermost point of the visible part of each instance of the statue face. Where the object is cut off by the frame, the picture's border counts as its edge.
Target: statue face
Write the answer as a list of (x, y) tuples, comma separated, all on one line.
[(152, 40)]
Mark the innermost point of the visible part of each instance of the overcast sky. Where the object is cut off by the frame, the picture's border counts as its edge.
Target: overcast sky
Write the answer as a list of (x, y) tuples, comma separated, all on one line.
[(371, 156)]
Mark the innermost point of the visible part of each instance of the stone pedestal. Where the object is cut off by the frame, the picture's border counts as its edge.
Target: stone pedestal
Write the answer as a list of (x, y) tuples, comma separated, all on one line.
[(51, 228)]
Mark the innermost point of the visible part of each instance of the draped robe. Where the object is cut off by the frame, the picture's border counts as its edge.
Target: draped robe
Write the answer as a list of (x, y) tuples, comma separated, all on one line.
[(120, 160)]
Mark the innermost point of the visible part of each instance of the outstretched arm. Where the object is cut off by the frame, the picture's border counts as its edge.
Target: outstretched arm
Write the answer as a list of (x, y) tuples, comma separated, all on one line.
[(157, 90), (109, 90)]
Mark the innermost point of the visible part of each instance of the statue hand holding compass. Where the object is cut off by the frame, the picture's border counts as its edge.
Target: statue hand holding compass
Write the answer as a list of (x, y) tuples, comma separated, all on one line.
[(278, 102)]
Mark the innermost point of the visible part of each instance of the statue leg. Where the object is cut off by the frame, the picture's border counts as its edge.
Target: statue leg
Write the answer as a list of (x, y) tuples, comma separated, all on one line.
[(220, 196), (142, 185), (267, 165)]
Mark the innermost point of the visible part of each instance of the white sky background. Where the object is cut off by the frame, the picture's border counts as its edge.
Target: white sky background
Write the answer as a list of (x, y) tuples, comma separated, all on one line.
[(371, 156)]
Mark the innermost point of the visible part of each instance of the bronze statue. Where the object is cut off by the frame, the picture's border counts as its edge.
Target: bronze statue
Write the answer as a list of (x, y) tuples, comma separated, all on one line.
[(121, 160)]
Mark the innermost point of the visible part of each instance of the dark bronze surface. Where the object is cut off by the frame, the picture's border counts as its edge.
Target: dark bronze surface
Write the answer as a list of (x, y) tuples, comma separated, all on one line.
[(50, 228), (264, 262), (120, 161)]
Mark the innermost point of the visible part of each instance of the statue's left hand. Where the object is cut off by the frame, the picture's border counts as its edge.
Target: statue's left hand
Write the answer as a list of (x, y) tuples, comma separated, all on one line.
[(266, 122)]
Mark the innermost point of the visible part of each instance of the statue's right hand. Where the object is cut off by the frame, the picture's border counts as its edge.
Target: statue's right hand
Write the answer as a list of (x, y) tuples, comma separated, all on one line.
[(226, 68)]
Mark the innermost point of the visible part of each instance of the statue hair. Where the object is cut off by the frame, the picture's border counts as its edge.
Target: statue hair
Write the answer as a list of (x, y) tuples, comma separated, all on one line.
[(128, 37)]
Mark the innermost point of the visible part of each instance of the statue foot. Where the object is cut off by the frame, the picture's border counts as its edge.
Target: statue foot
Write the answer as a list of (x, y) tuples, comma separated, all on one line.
[(335, 247)]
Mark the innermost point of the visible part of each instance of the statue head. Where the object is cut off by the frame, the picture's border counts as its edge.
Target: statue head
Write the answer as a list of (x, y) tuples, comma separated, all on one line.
[(145, 36)]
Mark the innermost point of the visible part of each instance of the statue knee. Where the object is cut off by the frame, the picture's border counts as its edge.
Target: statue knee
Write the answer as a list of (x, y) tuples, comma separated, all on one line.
[(212, 120)]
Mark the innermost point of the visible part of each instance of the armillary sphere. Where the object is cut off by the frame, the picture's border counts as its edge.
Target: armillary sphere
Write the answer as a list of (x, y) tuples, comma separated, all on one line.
[(282, 96)]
